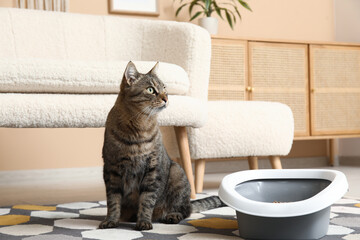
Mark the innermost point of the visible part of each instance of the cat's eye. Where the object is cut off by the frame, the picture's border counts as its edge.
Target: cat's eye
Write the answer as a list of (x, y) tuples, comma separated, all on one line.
[(150, 90)]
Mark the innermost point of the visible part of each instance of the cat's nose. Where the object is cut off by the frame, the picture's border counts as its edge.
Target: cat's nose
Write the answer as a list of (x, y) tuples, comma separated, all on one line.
[(164, 97)]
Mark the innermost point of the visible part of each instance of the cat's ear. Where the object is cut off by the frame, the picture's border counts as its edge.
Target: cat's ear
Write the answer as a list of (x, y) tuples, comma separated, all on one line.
[(130, 74), (155, 69)]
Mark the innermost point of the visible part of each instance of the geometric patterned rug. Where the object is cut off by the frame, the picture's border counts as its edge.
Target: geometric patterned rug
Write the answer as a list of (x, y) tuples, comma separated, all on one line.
[(80, 220)]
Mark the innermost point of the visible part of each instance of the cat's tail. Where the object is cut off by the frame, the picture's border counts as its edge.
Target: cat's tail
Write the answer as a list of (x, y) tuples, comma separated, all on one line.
[(206, 204)]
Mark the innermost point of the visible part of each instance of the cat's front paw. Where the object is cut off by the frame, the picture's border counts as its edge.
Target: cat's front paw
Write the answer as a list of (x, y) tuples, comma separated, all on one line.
[(108, 224), (173, 218), (143, 225)]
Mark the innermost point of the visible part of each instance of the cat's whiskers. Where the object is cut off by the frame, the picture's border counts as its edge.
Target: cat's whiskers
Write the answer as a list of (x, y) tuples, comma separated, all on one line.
[(151, 113), (144, 111), (138, 114)]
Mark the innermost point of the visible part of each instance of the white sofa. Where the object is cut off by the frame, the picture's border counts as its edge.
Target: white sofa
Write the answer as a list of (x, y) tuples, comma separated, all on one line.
[(64, 70)]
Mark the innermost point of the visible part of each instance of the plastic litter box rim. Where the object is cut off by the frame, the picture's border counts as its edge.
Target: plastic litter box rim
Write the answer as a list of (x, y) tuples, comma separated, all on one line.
[(325, 198)]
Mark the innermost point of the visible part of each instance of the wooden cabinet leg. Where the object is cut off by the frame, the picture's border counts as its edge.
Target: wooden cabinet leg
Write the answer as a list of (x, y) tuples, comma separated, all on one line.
[(275, 162), (183, 144), (333, 152), (199, 174), (253, 162)]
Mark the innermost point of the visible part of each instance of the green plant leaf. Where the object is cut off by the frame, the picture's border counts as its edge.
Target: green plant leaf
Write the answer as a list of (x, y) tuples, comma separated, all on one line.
[(208, 9), (217, 9), (245, 5), (207, 5), (237, 12), (228, 17), (231, 4), (229, 11), (191, 7), (179, 9), (233, 16), (196, 15), (223, 9), (211, 10), (230, 8), (219, 13)]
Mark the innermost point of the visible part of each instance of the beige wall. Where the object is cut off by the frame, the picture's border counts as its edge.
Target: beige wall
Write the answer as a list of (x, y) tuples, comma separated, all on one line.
[(275, 19), (7, 3), (347, 20), (347, 29), (50, 148), (62, 148), (65, 148)]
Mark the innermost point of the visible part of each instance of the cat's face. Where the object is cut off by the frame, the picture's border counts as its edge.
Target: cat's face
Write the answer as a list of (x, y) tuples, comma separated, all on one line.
[(144, 91)]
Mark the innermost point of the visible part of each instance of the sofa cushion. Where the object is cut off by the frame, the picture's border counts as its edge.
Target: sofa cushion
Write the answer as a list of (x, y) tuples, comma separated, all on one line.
[(242, 129), (87, 110), (65, 76)]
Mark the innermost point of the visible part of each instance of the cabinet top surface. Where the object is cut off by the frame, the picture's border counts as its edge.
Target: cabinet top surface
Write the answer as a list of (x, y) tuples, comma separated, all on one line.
[(285, 41)]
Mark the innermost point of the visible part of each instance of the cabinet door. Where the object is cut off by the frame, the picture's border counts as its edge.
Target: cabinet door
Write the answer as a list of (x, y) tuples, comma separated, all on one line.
[(335, 89), (228, 71), (279, 72)]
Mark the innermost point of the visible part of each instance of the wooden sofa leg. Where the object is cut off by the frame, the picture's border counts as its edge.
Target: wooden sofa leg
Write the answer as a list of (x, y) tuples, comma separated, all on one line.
[(253, 162), (333, 146), (275, 162), (199, 174), (183, 144)]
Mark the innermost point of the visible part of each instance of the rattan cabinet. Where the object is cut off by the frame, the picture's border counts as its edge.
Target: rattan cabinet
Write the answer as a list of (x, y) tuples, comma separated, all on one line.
[(262, 71), (335, 89), (228, 72), (320, 82), (279, 73)]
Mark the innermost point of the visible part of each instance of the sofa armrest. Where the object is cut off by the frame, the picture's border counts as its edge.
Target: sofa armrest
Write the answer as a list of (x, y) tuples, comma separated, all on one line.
[(184, 44)]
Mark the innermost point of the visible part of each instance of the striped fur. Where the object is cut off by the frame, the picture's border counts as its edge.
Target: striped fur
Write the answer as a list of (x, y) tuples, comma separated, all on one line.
[(206, 204), (142, 183)]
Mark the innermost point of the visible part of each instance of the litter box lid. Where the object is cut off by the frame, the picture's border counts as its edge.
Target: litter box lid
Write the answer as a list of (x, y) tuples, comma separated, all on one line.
[(323, 199)]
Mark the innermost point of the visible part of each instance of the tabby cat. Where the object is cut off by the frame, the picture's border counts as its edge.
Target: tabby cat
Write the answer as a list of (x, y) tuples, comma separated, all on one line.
[(142, 183)]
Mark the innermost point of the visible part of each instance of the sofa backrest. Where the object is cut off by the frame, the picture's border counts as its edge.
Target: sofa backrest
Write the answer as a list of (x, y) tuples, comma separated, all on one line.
[(27, 34), (86, 77)]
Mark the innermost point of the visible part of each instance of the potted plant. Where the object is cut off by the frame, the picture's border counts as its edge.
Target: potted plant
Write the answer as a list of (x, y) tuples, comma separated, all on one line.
[(224, 8)]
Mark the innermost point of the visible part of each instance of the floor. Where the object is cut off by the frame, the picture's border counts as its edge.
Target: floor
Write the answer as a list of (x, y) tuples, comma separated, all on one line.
[(86, 184)]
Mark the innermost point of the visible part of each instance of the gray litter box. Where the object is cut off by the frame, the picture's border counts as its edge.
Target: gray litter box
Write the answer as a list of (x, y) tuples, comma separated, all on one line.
[(283, 204)]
